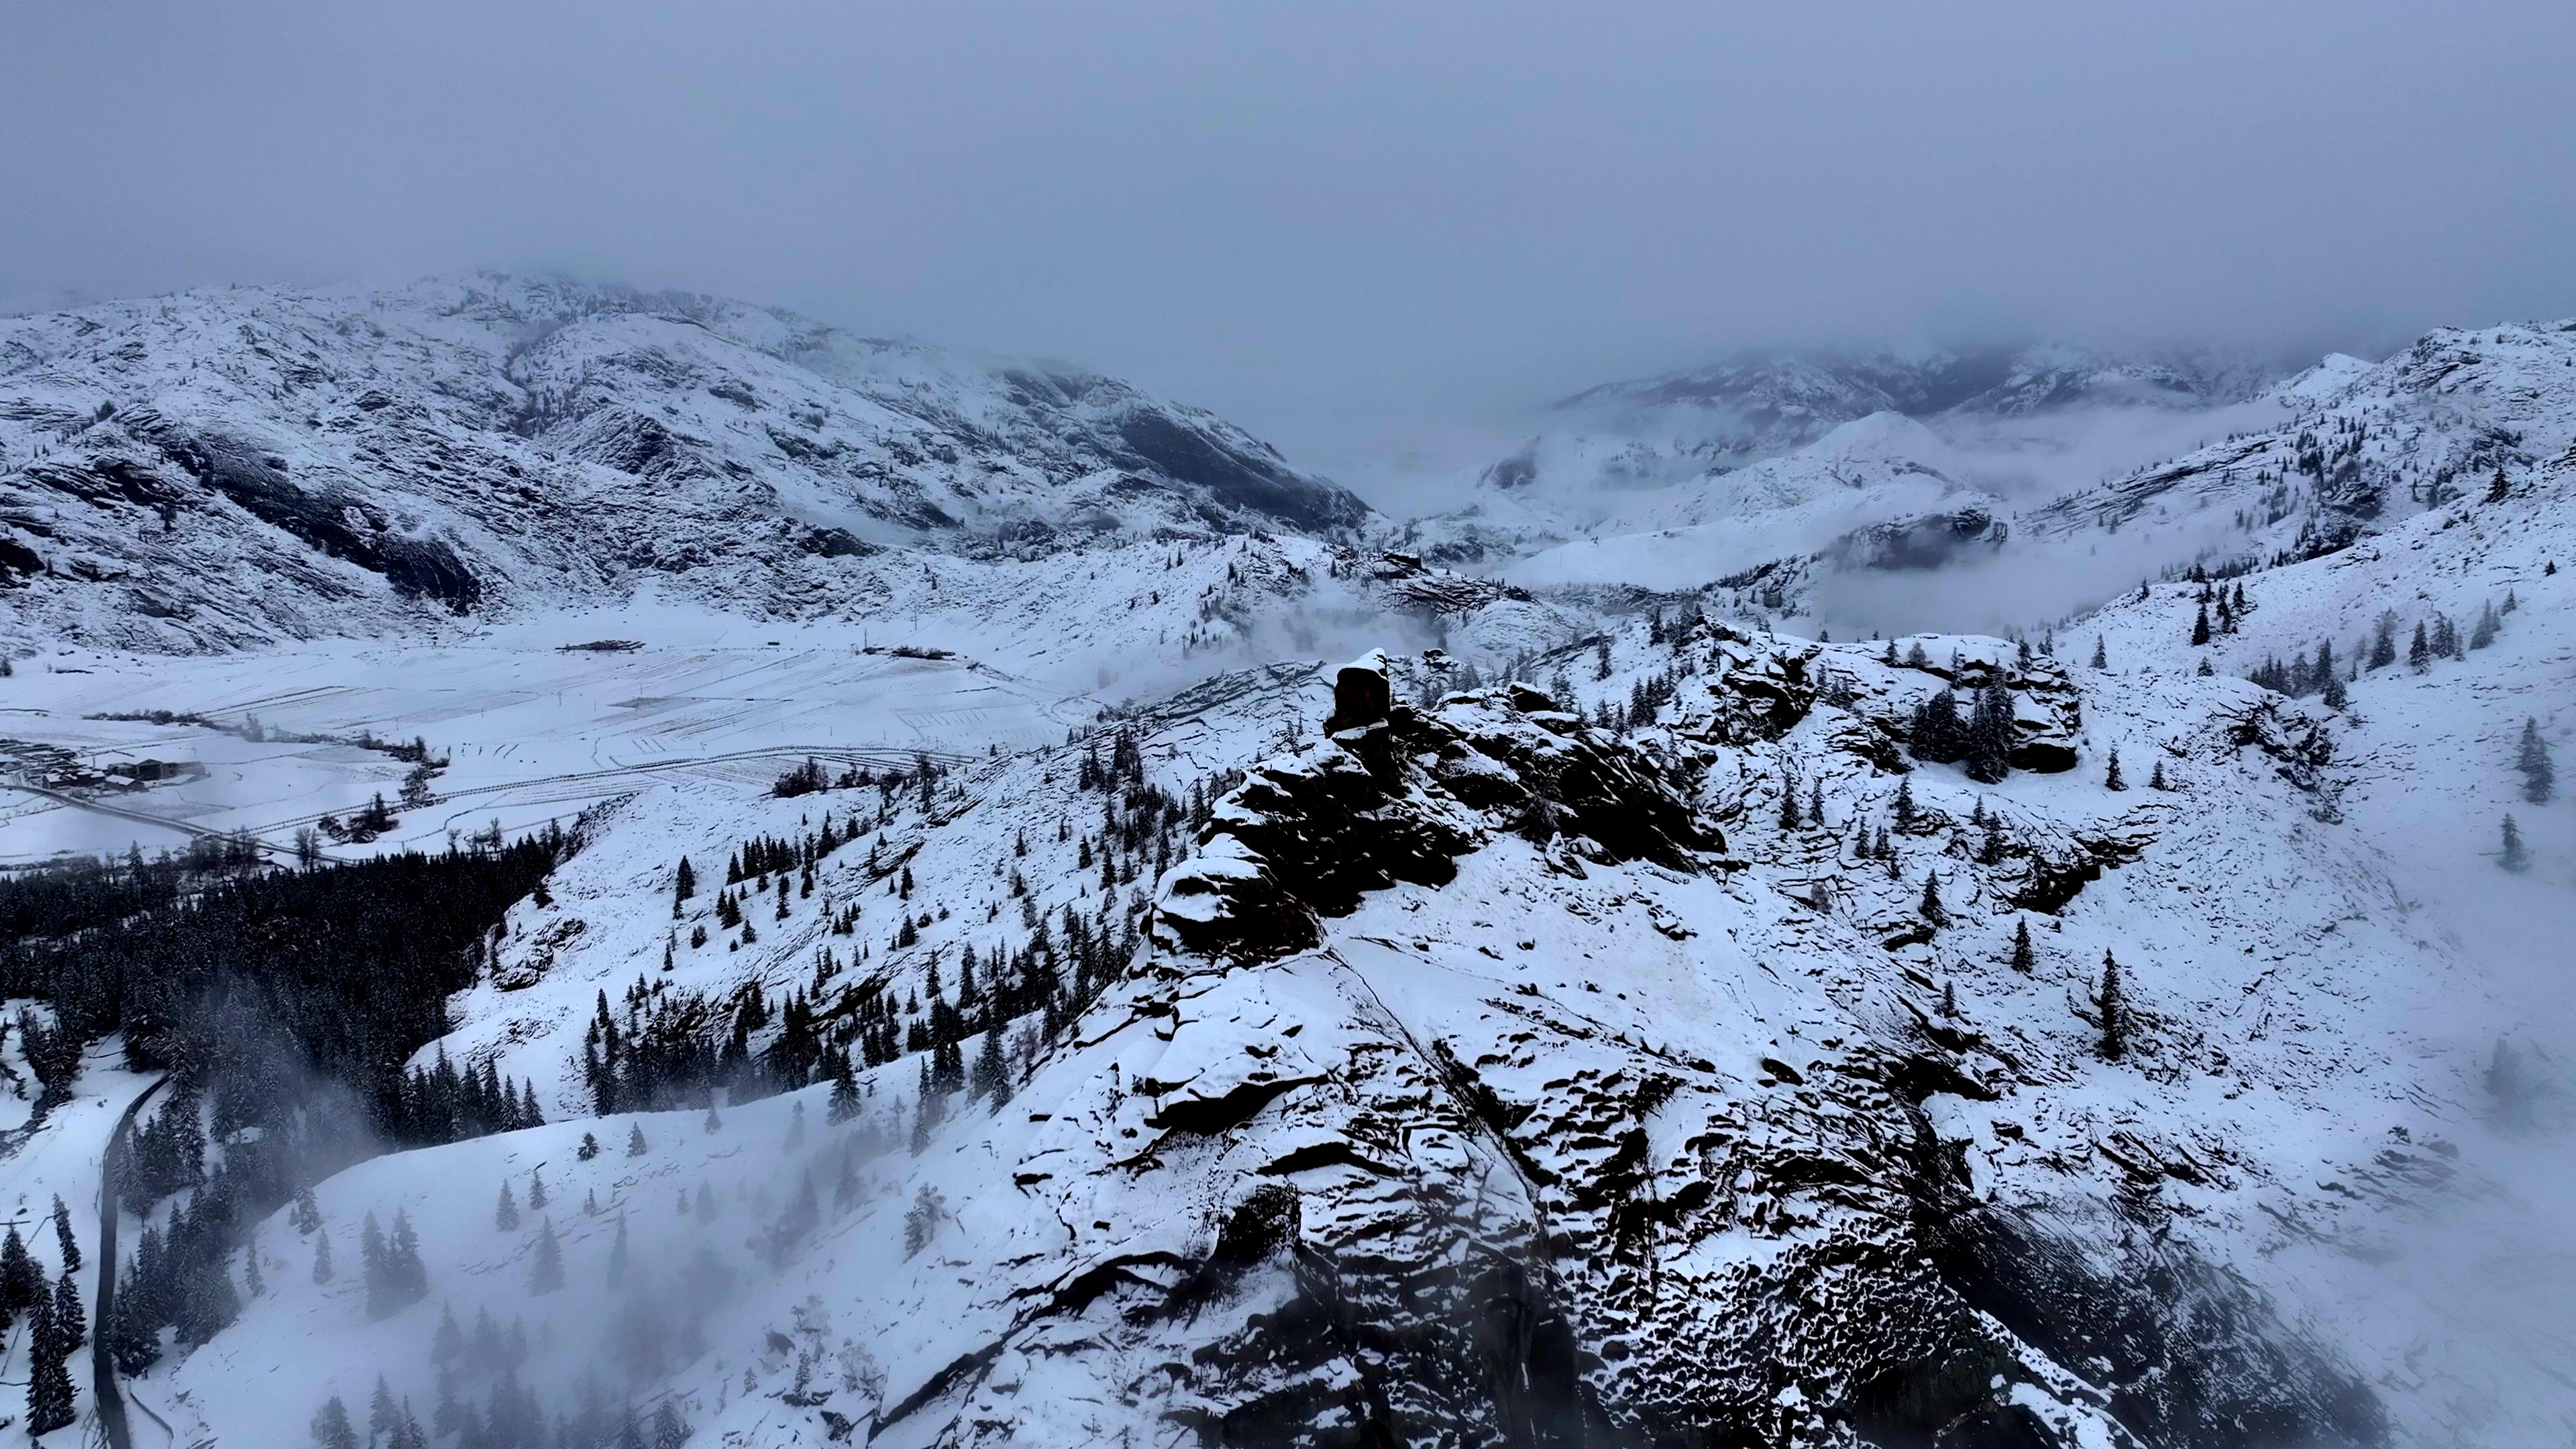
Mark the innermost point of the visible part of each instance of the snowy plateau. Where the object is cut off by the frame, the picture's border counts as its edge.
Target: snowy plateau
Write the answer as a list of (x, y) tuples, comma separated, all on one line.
[(2007, 900)]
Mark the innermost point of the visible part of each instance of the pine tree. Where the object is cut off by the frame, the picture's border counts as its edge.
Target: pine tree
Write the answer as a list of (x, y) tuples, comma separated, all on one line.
[(49, 1383), (71, 1321), (21, 1281), (406, 1277), (381, 1290), (322, 1255), (2515, 857), (331, 1426), (1936, 735), (713, 1122), (1904, 808), (1930, 905), (2200, 626), (251, 1276), (2111, 778), (635, 1140), (2531, 757), (546, 1275), (449, 1341), (63, 1236), (845, 1091), (382, 1416), (668, 1431), (208, 1304), (2156, 776), (2483, 633), (2100, 661), (536, 1190), (506, 1216), (2383, 640), (2021, 955), (2115, 1011), (921, 1220), (588, 1149), (2420, 652)]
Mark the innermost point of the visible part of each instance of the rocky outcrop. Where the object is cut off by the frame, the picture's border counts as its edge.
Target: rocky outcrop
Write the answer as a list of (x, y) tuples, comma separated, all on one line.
[(1501, 1222), (1397, 794)]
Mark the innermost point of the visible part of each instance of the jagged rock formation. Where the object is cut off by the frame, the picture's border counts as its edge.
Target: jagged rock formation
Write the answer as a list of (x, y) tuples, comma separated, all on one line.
[(1394, 794)]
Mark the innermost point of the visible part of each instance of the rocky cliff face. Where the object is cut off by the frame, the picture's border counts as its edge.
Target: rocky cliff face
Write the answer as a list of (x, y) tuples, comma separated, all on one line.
[(1479, 1212)]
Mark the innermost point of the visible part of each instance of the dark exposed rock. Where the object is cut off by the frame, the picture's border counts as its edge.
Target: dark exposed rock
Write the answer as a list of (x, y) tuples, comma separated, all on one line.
[(2054, 877), (1396, 795), (331, 523), (2191, 1354), (1361, 695), (834, 543), (1254, 481), (18, 563)]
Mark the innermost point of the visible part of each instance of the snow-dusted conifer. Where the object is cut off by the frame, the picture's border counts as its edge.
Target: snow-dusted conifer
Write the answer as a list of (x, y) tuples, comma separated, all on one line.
[(2115, 1011)]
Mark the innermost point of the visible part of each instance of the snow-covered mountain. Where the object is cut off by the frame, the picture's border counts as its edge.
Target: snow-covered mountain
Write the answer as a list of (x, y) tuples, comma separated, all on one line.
[(1624, 457), (1595, 1016), (485, 444)]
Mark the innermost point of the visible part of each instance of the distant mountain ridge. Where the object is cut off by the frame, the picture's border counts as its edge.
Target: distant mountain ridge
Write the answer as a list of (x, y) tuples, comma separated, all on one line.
[(1782, 393)]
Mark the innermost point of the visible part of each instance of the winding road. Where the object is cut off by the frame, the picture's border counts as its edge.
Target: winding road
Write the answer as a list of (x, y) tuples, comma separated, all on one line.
[(111, 1399)]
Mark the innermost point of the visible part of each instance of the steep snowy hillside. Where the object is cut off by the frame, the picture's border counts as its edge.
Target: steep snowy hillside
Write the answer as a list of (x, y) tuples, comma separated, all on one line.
[(2362, 448), (476, 446)]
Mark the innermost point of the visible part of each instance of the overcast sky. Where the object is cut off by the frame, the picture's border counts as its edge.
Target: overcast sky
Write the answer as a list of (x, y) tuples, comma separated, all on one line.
[(1327, 220)]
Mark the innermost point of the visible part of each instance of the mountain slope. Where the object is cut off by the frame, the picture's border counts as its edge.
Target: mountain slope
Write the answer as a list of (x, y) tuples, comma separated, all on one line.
[(1481, 1006), (488, 444)]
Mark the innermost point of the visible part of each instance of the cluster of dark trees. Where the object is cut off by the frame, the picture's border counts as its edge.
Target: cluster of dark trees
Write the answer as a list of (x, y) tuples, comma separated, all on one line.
[(2304, 675), (2441, 637), (667, 1049), (510, 1416), (284, 1004), (1979, 743), (749, 872), (2232, 604), (56, 1326)]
